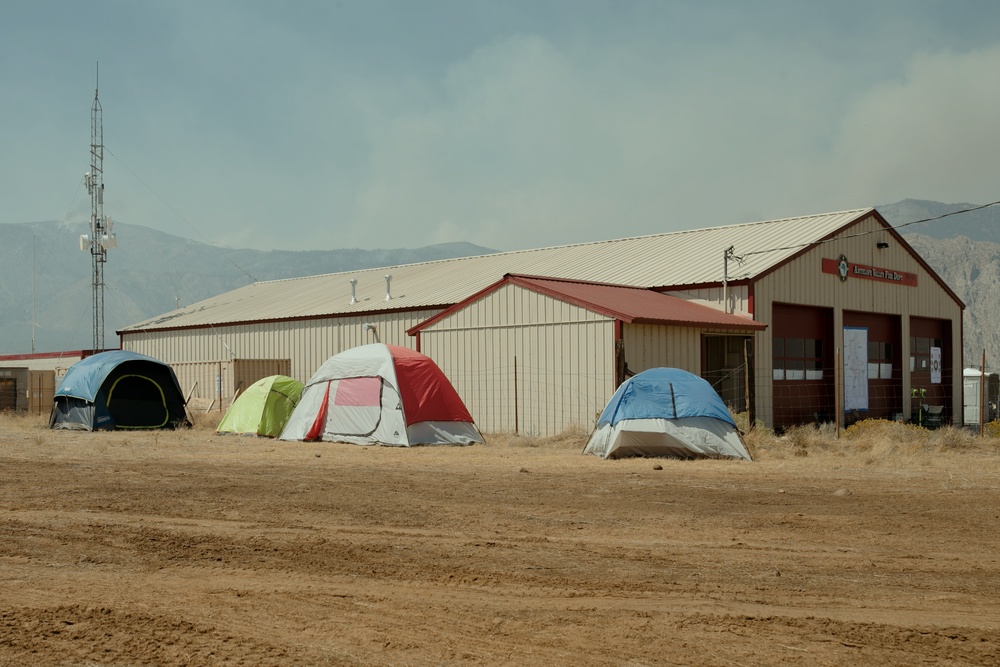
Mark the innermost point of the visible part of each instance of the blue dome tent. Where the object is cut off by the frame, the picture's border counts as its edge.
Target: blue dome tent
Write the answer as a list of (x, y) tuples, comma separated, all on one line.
[(118, 390), (666, 412)]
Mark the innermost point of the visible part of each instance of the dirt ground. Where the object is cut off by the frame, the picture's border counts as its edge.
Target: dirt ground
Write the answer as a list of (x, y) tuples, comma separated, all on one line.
[(189, 548)]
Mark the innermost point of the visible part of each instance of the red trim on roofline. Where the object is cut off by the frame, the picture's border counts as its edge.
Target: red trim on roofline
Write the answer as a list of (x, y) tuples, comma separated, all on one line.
[(532, 283), (50, 355), (890, 229), (742, 324), (795, 256), (574, 281), (414, 330), (527, 283), (751, 325)]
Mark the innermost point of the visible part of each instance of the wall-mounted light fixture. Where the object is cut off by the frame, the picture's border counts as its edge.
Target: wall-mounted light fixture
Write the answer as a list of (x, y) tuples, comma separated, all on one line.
[(881, 245), (369, 326)]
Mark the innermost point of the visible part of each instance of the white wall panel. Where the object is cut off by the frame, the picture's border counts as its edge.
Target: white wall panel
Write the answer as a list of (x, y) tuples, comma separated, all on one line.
[(738, 297), (526, 362), (654, 346), (306, 343)]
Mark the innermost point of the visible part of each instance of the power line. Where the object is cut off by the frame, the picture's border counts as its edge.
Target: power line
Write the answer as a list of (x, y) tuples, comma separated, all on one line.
[(858, 234), (179, 214)]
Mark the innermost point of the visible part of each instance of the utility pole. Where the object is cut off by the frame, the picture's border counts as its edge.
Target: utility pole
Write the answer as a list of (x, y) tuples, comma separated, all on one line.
[(100, 237), (33, 325)]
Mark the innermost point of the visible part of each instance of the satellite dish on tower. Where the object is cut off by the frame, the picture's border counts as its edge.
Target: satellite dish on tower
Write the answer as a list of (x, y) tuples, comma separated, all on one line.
[(108, 239)]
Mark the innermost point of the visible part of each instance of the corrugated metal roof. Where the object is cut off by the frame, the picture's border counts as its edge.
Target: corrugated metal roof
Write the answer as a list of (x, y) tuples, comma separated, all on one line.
[(629, 304), (692, 257)]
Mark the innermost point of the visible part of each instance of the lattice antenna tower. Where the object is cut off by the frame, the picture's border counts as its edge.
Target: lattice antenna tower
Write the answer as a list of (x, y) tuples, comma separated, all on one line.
[(100, 238)]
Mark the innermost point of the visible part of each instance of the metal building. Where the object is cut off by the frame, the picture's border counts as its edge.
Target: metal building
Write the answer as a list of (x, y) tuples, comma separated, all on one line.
[(33, 377), (823, 317), (545, 354)]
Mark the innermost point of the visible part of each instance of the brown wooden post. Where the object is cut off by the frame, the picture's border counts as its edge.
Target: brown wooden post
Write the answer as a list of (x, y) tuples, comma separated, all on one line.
[(836, 389), (982, 395), (515, 396), (748, 383)]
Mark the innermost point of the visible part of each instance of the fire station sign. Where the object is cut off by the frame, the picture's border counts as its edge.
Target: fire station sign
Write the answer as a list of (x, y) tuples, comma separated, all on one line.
[(844, 269)]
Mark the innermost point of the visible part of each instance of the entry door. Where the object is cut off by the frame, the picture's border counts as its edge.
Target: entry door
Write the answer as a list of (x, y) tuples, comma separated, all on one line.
[(8, 394), (725, 368), (355, 406), (136, 401)]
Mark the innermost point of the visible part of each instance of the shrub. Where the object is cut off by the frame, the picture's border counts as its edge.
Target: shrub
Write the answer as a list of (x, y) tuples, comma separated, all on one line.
[(992, 429), (953, 438), (876, 429)]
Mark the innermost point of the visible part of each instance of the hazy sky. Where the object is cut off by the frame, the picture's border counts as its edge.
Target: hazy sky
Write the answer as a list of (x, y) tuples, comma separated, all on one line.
[(511, 124)]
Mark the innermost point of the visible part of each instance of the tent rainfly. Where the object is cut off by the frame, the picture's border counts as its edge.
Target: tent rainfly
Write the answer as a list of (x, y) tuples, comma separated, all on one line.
[(381, 394), (264, 408), (666, 412), (118, 390)]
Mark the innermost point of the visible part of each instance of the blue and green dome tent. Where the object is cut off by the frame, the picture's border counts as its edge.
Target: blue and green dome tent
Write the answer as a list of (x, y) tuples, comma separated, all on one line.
[(118, 390)]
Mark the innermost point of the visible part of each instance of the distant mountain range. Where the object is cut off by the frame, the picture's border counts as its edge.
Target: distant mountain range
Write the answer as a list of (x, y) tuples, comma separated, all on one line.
[(147, 274), (964, 249), (978, 225), (152, 272)]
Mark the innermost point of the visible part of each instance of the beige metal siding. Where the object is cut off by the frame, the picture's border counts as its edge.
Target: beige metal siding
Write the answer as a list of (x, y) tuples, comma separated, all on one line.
[(803, 282), (218, 382), (57, 363), (15, 389), (248, 371), (208, 381), (306, 343), (42, 388), (563, 356), (654, 346), (713, 297)]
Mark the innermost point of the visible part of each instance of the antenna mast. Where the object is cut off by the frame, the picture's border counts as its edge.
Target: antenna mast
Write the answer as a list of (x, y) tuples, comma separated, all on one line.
[(100, 237)]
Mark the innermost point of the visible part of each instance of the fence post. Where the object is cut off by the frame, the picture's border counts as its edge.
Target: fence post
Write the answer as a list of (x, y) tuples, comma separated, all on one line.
[(836, 389), (748, 397), (515, 396), (982, 395)]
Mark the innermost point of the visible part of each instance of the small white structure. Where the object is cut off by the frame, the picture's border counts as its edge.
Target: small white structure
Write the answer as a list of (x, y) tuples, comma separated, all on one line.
[(972, 381)]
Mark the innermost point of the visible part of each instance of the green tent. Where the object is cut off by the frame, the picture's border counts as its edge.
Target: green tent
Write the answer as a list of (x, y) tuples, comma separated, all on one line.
[(263, 408)]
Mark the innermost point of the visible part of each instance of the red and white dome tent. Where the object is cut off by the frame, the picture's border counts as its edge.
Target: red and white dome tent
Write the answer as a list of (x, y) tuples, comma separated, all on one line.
[(381, 394)]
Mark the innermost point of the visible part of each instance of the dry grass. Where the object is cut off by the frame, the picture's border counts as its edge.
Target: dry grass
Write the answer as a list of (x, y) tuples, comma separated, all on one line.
[(22, 421), (872, 442), (572, 439), (207, 421), (879, 442)]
